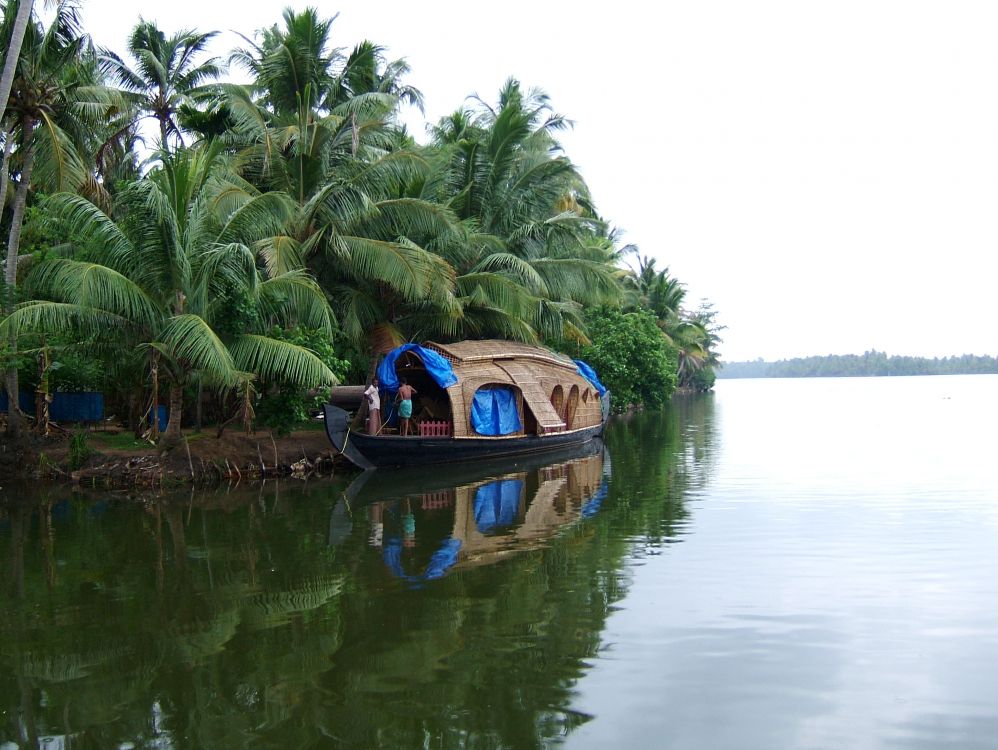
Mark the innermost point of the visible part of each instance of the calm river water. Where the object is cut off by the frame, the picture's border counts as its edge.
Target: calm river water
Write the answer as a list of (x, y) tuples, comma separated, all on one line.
[(781, 564)]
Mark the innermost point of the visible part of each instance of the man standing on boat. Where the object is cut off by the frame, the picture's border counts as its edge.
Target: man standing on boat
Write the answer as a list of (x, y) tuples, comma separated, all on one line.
[(406, 393), (373, 407)]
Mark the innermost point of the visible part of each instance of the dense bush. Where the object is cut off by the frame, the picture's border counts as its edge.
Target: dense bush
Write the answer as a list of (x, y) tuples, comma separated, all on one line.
[(282, 405), (631, 356), (703, 380)]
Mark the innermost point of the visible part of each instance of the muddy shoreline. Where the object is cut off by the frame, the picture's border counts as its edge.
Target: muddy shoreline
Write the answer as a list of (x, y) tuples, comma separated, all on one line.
[(111, 459)]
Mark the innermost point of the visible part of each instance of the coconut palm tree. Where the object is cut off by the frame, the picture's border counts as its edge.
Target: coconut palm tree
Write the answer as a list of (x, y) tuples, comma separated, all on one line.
[(181, 247), (501, 170), (366, 70), (167, 75), (663, 295), (56, 107), (13, 30), (320, 128), (294, 66)]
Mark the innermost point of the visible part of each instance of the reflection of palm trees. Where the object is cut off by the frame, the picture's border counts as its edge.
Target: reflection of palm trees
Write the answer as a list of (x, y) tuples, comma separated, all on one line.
[(272, 608), (194, 643), (278, 645), (695, 416), (18, 531)]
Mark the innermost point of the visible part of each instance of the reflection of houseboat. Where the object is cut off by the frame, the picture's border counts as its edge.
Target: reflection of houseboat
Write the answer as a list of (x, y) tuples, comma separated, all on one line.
[(428, 523), (476, 399)]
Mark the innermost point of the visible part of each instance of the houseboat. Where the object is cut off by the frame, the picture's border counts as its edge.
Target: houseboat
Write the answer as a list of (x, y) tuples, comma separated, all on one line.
[(473, 400)]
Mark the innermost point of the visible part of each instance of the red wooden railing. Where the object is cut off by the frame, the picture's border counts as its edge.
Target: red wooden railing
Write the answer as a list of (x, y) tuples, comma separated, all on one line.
[(434, 428)]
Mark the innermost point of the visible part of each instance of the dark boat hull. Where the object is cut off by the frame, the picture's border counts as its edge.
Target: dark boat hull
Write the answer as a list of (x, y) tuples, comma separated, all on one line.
[(368, 451)]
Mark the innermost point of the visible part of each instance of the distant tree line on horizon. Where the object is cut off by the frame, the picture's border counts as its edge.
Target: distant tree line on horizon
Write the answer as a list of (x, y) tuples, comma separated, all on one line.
[(868, 364)]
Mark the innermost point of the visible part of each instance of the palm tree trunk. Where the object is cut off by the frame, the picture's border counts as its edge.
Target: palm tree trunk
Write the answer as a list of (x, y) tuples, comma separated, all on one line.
[(20, 201), (13, 52), (154, 409), (42, 395), (8, 149), (10, 272), (172, 433), (200, 406)]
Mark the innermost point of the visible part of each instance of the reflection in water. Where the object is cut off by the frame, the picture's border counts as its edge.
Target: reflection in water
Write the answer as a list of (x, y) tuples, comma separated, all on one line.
[(454, 610), (489, 516)]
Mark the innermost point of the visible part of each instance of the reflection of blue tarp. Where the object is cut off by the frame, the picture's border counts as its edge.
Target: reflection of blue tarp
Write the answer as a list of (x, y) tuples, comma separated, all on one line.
[(590, 374), (438, 367), (497, 504), (592, 507), (493, 411), (440, 562), (65, 407)]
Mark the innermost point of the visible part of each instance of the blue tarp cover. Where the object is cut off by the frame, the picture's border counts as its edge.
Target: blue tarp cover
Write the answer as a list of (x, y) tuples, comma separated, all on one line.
[(497, 504), (493, 411), (65, 406), (590, 374), (438, 367)]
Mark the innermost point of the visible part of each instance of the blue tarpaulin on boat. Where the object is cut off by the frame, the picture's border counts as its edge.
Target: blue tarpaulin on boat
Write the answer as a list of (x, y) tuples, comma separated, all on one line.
[(65, 407), (497, 504), (493, 411), (438, 367), (590, 374)]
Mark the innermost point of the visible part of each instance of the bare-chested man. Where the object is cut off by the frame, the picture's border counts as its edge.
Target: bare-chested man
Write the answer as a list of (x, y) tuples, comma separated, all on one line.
[(406, 393)]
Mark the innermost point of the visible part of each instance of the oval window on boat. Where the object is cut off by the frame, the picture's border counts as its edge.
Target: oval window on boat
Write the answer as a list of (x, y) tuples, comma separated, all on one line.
[(558, 398), (494, 411), (571, 407)]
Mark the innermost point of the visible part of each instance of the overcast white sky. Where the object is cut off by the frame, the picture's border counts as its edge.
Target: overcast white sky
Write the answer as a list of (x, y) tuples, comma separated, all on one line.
[(826, 173)]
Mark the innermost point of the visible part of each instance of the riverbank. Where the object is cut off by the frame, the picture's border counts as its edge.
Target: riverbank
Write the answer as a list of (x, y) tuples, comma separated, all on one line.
[(118, 459)]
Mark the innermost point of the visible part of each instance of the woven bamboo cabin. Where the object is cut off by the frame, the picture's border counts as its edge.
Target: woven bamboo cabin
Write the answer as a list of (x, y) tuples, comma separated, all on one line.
[(474, 399)]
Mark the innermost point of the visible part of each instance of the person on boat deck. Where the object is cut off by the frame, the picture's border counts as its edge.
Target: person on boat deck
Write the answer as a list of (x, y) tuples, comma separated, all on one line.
[(373, 408), (406, 392)]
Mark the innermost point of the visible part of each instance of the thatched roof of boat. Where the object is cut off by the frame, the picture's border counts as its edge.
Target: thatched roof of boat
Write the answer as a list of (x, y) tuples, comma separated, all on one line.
[(492, 349), (534, 371)]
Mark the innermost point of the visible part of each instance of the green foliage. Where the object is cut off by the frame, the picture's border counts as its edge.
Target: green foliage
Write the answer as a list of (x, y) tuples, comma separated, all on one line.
[(703, 379), (632, 357), (283, 405), (305, 208), (79, 450), (71, 368)]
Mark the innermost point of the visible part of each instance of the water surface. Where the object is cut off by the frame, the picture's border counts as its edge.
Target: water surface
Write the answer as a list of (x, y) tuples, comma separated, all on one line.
[(785, 563)]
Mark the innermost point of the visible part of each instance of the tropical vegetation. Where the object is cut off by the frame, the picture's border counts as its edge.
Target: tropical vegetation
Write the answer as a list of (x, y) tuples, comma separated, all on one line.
[(233, 248)]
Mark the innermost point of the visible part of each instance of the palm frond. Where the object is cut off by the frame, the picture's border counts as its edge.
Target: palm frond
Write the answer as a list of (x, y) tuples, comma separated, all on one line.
[(516, 268), (95, 286), (190, 342), (294, 298), (280, 361), (61, 317)]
